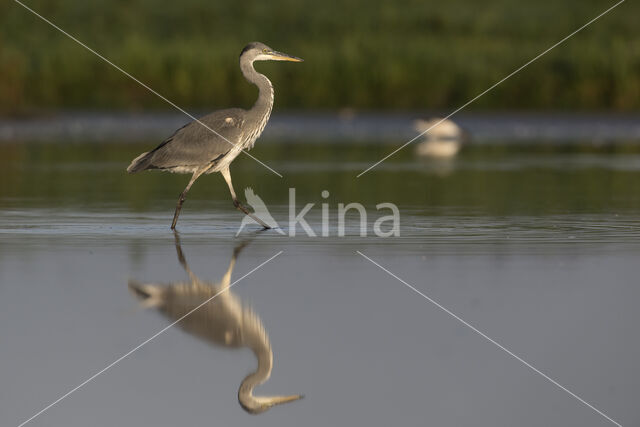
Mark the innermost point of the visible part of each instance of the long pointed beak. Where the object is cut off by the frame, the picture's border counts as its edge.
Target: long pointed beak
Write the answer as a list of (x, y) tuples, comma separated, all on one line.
[(278, 400), (279, 56)]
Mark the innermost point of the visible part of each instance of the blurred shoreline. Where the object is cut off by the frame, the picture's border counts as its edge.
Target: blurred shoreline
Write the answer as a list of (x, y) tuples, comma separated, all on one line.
[(305, 127)]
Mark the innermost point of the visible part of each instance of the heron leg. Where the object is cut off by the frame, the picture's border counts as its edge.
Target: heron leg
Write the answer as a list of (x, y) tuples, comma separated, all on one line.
[(183, 259), (182, 197), (226, 173)]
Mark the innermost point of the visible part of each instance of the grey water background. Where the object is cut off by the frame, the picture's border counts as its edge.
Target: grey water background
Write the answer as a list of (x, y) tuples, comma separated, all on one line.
[(357, 126), (535, 243)]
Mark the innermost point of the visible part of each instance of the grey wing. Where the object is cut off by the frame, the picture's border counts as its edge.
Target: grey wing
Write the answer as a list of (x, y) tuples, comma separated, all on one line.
[(195, 145)]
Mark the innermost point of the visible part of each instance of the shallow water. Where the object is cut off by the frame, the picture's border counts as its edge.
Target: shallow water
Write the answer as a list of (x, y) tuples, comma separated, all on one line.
[(359, 127), (538, 248)]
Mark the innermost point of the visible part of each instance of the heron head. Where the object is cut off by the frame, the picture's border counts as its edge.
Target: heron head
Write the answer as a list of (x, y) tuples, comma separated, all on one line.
[(257, 51), (259, 404)]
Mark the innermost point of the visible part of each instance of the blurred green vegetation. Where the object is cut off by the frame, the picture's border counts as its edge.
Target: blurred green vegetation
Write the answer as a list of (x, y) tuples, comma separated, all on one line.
[(413, 54)]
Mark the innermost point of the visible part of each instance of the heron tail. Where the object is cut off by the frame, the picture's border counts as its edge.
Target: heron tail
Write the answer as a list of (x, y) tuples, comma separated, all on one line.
[(140, 163), (149, 295)]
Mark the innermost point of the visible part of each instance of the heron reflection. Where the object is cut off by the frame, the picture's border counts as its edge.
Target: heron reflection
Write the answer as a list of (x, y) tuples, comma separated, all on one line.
[(224, 321)]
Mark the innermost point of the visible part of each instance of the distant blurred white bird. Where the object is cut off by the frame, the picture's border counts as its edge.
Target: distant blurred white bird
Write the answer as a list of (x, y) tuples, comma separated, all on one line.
[(443, 140)]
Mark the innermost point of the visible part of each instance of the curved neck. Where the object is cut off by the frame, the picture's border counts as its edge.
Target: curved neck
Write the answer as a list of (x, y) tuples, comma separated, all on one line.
[(265, 364), (258, 341), (264, 104)]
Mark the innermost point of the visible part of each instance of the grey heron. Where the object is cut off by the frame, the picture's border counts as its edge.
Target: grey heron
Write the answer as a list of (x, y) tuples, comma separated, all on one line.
[(195, 149), (224, 321)]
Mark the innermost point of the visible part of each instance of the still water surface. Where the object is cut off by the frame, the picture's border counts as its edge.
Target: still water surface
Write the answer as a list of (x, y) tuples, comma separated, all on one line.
[(536, 247)]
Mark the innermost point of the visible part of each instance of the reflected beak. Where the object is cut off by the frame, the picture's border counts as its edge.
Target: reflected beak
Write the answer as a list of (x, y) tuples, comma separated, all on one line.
[(278, 400), (279, 56)]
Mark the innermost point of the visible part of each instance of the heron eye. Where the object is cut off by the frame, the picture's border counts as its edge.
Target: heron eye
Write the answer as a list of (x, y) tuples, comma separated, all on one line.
[(265, 50)]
